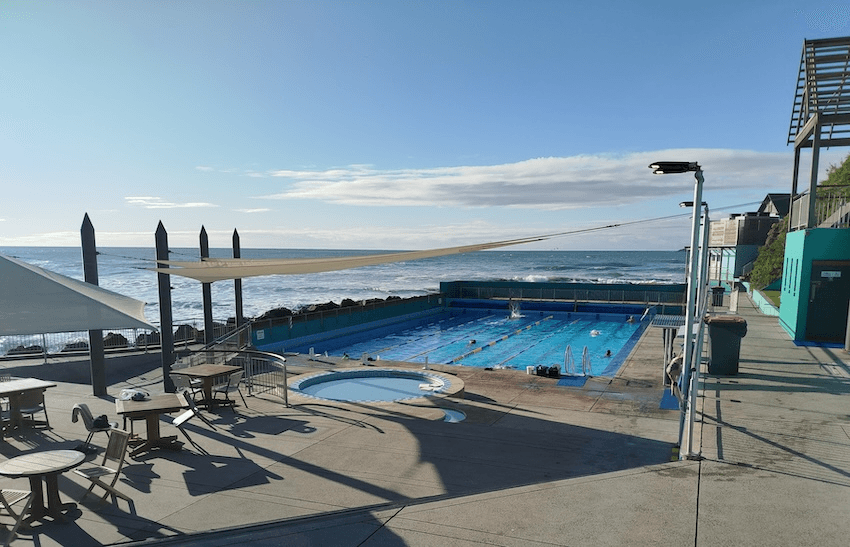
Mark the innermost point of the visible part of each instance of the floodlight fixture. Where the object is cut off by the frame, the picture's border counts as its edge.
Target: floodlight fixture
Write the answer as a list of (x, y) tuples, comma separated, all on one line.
[(669, 167)]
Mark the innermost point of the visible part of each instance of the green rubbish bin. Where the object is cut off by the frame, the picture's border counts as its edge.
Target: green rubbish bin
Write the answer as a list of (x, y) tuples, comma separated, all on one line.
[(724, 348)]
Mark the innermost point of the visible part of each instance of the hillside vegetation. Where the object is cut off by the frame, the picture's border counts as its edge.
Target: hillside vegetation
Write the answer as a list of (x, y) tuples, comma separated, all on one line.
[(768, 266)]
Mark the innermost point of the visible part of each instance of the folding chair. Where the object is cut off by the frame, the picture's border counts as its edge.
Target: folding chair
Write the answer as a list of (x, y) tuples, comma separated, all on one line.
[(113, 461), (9, 498), (187, 415)]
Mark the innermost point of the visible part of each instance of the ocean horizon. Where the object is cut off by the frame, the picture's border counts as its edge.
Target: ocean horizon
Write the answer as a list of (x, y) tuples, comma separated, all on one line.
[(128, 271)]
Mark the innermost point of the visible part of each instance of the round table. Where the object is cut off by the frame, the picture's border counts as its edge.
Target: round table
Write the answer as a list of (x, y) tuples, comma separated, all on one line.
[(47, 465)]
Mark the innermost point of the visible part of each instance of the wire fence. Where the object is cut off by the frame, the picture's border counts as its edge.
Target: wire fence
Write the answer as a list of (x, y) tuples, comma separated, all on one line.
[(115, 340)]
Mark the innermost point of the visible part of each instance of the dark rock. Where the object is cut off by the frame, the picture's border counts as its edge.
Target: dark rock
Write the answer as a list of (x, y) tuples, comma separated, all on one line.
[(115, 340), (148, 339), (79, 345), (186, 332), (29, 350)]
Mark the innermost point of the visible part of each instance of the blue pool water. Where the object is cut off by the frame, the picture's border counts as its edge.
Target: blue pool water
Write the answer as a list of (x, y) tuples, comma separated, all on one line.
[(497, 339), (370, 385)]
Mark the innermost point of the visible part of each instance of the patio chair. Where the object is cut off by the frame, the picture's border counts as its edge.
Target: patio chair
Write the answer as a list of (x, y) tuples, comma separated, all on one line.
[(113, 461), (185, 383), (82, 410), (32, 402), (9, 498), (187, 415), (232, 385)]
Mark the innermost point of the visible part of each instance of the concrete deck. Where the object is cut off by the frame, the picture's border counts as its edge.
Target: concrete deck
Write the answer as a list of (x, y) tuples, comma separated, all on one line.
[(533, 464)]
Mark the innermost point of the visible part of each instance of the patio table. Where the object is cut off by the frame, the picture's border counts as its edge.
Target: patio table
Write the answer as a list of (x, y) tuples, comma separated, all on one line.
[(14, 390), (150, 410), (46, 465), (208, 373)]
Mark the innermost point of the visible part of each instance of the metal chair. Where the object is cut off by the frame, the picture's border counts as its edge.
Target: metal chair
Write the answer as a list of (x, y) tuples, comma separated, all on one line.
[(232, 385), (113, 461), (8, 498), (32, 402), (82, 410), (185, 383)]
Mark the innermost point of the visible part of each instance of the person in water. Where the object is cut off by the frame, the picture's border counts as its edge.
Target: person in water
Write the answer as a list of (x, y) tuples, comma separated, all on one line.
[(608, 353)]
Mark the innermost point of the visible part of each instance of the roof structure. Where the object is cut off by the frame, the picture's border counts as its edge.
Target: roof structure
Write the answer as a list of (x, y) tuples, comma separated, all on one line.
[(822, 100)]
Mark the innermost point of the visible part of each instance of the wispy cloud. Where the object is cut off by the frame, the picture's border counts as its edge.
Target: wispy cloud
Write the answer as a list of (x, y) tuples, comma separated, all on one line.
[(204, 168), (251, 211), (541, 183), (152, 202)]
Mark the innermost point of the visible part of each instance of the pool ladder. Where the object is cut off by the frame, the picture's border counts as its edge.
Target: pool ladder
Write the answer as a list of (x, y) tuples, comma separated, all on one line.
[(570, 365)]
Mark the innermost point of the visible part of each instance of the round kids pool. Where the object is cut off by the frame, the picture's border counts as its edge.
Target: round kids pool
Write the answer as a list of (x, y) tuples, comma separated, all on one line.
[(371, 385)]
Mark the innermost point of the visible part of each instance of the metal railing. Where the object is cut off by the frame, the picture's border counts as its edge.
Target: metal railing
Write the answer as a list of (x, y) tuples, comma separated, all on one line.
[(603, 295), (66, 344), (264, 372), (832, 208)]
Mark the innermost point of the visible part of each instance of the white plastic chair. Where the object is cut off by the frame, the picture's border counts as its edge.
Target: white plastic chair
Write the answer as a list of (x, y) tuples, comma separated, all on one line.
[(232, 385)]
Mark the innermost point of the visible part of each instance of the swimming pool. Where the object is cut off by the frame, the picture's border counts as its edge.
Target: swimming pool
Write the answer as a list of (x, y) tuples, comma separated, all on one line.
[(497, 338), (370, 385)]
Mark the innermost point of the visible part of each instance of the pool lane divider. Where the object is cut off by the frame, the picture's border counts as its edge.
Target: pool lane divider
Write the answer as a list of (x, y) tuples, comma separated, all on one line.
[(500, 339)]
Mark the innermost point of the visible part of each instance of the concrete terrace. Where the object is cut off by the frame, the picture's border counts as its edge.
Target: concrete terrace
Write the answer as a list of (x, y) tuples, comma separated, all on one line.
[(533, 464)]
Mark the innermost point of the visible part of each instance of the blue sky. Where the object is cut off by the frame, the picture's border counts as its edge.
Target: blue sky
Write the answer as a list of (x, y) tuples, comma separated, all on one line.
[(392, 125)]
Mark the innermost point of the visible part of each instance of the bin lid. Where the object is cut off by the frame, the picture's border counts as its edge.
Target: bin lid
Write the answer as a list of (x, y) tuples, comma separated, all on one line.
[(728, 321)]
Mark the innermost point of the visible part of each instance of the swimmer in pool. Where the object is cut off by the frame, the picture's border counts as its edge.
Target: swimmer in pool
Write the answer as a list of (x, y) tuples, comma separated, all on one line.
[(608, 353)]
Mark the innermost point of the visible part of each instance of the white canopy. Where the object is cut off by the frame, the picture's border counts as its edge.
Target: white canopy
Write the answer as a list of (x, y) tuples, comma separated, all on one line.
[(218, 269), (35, 301)]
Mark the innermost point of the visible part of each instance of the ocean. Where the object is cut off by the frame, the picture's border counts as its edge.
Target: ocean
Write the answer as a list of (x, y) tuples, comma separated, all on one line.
[(127, 271)]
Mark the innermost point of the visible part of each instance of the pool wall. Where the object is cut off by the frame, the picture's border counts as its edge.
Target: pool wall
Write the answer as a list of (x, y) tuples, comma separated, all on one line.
[(669, 298)]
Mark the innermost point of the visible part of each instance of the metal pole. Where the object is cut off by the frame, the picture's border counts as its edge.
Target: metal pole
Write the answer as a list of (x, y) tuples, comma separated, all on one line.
[(702, 303), (692, 289)]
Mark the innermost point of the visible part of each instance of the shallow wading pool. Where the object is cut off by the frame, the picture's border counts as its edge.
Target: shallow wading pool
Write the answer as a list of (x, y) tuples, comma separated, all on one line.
[(370, 385)]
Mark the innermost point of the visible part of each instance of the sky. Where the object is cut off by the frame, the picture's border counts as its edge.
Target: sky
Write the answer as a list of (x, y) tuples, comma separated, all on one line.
[(394, 124)]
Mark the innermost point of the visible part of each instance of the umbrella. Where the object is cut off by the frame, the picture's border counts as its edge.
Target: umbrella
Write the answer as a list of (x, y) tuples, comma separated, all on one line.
[(36, 301)]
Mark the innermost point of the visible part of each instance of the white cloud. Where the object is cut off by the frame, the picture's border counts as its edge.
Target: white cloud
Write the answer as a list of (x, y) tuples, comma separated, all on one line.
[(151, 202), (251, 211), (204, 168), (552, 183)]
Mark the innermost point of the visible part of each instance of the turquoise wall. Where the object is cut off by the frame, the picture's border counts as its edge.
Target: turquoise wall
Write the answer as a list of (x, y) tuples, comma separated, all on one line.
[(801, 249)]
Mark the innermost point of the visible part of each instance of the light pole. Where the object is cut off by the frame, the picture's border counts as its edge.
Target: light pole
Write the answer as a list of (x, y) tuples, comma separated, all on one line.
[(670, 167)]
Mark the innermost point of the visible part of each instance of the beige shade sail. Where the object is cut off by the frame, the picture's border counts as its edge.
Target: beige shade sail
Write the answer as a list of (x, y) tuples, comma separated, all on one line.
[(218, 269), (36, 301)]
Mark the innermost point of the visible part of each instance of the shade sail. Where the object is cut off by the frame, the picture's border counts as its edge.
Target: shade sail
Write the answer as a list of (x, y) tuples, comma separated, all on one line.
[(218, 269), (35, 301)]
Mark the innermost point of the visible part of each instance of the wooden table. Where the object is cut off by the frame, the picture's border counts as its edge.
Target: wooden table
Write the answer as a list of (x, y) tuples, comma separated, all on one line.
[(208, 374), (150, 409), (15, 389), (47, 465)]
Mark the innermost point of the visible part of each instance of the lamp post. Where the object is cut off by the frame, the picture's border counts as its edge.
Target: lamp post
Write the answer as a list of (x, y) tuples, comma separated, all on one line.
[(672, 167)]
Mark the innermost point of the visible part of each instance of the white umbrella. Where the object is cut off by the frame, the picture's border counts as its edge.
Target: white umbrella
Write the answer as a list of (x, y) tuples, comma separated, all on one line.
[(36, 301)]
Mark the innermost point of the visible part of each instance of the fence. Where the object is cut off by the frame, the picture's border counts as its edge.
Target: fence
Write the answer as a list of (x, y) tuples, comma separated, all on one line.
[(115, 340), (832, 208), (571, 292), (264, 372)]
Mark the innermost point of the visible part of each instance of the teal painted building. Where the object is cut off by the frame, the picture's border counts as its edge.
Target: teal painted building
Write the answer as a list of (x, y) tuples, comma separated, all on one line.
[(816, 285)]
